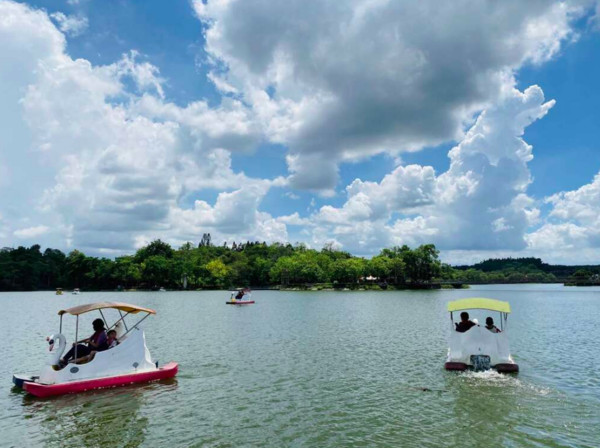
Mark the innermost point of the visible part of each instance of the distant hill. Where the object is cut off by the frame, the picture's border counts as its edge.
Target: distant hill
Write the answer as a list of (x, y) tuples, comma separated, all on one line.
[(529, 264)]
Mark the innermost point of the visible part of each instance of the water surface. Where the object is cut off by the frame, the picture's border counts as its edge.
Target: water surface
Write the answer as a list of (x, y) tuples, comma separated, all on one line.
[(318, 369)]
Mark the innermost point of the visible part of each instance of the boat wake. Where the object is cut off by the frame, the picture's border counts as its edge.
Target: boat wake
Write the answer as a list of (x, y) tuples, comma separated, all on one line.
[(486, 375), (493, 378)]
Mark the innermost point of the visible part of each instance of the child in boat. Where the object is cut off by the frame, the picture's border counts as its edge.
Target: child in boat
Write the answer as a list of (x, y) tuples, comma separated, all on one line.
[(111, 340), (489, 324)]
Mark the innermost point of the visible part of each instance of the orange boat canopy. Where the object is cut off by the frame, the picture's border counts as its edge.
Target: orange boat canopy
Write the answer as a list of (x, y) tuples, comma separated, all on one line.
[(128, 308)]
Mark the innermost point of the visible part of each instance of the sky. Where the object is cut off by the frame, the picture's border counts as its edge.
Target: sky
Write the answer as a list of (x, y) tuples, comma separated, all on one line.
[(360, 124)]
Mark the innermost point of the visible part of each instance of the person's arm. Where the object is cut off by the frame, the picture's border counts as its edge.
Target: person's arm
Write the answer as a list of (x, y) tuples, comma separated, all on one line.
[(82, 341)]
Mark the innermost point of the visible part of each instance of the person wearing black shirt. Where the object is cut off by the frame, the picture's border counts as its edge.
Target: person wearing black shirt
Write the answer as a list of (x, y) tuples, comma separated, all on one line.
[(465, 324)]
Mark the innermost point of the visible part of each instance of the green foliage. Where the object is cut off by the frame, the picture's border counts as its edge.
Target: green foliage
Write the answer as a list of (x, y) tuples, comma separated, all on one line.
[(155, 271), (509, 275), (259, 264), (349, 270), (582, 274), (155, 248), (304, 266), (218, 273)]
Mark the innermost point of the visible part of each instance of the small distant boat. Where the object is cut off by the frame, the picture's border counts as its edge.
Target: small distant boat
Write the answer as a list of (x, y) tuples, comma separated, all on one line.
[(479, 348), (240, 302), (76, 291), (161, 289), (129, 362), (59, 291), (240, 297)]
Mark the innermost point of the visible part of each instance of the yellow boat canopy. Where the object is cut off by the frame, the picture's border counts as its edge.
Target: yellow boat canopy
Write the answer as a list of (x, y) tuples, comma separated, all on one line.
[(81, 309), (478, 303)]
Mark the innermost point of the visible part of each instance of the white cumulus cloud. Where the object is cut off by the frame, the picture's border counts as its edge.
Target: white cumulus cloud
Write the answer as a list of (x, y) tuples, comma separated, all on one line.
[(480, 203), (97, 157), (72, 25), (105, 166), (573, 224), (343, 80), (31, 232)]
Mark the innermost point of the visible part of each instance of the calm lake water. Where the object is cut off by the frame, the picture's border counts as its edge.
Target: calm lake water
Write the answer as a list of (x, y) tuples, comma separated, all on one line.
[(317, 369)]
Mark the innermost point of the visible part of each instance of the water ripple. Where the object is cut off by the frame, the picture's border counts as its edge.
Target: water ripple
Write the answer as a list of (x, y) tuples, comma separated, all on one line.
[(321, 369)]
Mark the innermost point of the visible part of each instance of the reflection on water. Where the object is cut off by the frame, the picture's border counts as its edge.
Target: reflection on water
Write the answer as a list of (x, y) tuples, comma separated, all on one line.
[(99, 418), (319, 369)]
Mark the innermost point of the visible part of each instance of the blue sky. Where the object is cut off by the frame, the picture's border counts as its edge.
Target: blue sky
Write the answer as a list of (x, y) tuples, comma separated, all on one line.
[(305, 121)]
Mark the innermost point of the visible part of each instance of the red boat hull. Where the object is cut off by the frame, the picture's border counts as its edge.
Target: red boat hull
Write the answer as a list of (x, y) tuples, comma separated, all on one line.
[(507, 368), (455, 366), (47, 390), (240, 302), (501, 368)]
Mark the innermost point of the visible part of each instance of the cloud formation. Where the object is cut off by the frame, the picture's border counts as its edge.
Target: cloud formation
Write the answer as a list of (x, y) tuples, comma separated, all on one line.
[(338, 81), (97, 157), (71, 25), (480, 203), (31, 232), (573, 224), (111, 164)]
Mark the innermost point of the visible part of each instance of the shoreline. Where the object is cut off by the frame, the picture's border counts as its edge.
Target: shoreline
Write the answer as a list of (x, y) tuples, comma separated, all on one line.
[(329, 287)]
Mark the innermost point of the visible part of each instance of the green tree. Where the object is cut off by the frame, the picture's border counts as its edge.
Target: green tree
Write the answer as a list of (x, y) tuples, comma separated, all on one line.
[(582, 275), (155, 248), (155, 271), (77, 267), (126, 272), (422, 264), (218, 273), (348, 271), (380, 267), (54, 266)]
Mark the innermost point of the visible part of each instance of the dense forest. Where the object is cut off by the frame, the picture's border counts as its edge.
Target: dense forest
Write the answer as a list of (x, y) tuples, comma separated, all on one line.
[(564, 272), (256, 264)]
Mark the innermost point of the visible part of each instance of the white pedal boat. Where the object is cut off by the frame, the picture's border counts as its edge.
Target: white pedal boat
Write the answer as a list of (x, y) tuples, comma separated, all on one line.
[(127, 363), (479, 348)]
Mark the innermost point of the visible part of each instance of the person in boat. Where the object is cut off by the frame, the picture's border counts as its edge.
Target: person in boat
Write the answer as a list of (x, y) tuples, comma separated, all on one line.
[(465, 324), (240, 294), (489, 324), (111, 339), (111, 342), (96, 342)]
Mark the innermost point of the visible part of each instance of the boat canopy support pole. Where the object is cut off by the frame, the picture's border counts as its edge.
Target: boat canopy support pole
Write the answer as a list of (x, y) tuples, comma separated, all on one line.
[(122, 319), (103, 318), (60, 325), (137, 323), (76, 334)]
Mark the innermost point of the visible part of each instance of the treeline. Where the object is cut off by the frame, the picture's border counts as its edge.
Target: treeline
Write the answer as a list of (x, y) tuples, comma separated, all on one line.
[(257, 264), (533, 265), (207, 266), (527, 270), (507, 275)]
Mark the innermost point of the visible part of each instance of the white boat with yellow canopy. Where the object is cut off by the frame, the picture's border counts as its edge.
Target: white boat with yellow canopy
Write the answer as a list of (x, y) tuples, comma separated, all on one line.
[(127, 362), (479, 347)]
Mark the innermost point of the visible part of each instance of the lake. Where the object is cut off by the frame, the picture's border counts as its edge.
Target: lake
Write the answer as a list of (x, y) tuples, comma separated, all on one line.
[(317, 369)]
